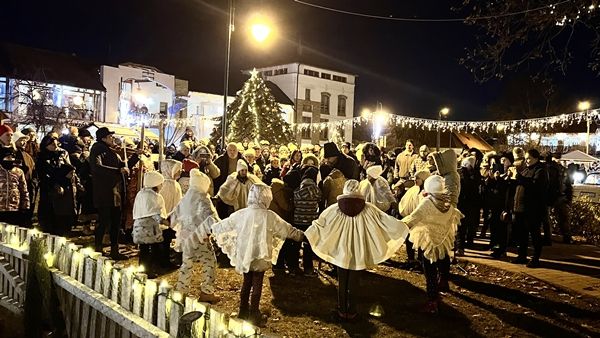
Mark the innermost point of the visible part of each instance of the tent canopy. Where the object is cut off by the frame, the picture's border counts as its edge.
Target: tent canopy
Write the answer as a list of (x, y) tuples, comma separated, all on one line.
[(578, 156), (121, 131)]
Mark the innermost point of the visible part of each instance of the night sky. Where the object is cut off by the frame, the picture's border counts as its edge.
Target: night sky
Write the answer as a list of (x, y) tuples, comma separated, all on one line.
[(411, 67)]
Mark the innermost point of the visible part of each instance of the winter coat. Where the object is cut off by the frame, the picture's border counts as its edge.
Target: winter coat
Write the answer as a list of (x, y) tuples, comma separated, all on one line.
[(14, 196), (333, 186), (418, 165), (306, 203), (222, 162), (534, 181), (171, 190), (57, 191), (404, 162), (283, 200), (348, 166), (271, 173), (235, 192), (445, 162), (107, 180), (469, 197)]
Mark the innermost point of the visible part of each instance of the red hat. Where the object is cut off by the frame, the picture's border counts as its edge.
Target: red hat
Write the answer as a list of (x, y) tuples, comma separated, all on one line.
[(188, 165), (5, 129)]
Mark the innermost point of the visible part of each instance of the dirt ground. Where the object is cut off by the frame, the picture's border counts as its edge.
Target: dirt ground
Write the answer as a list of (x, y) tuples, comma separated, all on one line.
[(483, 302)]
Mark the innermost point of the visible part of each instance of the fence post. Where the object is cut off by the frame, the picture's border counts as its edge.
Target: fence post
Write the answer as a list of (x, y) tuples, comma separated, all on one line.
[(149, 300), (176, 312), (161, 316)]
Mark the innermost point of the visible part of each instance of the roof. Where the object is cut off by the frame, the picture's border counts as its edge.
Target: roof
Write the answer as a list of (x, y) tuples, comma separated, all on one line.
[(578, 156), (35, 64), (279, 95), (473, 141), (121, 130)]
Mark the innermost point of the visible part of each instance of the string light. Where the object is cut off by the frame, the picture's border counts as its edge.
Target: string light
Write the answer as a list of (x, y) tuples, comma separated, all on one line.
[(507, 126)]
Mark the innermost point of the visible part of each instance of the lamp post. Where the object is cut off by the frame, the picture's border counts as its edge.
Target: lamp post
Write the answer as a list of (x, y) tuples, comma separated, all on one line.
[(443, 112), (260, 31), (378, 118), (585, 106)]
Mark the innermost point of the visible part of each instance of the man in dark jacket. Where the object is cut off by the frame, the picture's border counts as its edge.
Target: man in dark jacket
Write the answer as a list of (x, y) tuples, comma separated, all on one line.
[(560, 193), (532, 207), (107, 180), (344, 163), (227, 164)]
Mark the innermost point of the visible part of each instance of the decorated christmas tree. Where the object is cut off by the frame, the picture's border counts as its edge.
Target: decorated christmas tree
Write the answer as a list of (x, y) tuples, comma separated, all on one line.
[(255, 115)]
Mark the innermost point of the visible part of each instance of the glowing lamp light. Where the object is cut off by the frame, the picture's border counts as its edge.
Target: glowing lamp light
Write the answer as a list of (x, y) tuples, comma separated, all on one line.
[(366, 113), (583, 105), (445, 111), (78, 100), (260, 31)]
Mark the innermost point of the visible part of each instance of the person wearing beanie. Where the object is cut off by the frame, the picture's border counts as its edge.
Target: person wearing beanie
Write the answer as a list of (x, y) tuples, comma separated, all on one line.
[(376, 189), (344, 163), (149, 219), (251, 238), (58, 188), (250, 156), (234, 192), (14, 198), (306, 209), (433, 226), (354, 235), (191, 219), (420, 162)]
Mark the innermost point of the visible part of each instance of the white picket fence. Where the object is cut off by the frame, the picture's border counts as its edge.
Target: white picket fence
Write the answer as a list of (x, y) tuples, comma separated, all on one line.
[(100, 298)]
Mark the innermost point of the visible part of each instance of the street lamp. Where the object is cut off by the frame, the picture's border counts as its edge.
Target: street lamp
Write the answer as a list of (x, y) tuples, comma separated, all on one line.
[(443, 113), (377, 118), (585, 106), (260, 31)]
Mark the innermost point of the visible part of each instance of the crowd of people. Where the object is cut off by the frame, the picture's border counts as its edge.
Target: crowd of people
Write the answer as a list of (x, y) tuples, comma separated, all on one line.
[(351, 207)]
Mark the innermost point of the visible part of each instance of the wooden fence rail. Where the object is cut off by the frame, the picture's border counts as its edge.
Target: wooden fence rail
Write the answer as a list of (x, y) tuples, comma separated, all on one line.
[(101, 298)]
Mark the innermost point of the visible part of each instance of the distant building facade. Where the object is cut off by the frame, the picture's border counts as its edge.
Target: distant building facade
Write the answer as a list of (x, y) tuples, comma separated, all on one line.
[(319, 95)]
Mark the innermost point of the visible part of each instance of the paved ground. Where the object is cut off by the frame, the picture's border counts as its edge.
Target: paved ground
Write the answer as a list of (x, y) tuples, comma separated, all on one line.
[(574, 267)]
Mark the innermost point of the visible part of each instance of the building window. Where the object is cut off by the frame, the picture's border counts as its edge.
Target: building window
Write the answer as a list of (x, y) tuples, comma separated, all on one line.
[(307, 94), (339, 78), (325, 103), (268, 72), (280, 71), (311, 73), (341, 110), (3, 94), (307, 107), (306, 132), (164, 107), (324, 134), (326, 76)]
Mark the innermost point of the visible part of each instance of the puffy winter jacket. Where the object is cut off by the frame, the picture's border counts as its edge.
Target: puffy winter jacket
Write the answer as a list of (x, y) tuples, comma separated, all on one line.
[(13, 194)]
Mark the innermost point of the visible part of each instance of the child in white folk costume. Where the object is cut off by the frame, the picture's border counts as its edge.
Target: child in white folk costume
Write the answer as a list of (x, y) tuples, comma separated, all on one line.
[(433, 226), (354, 235), (249, 237), (376, 189), (192, 219), (149, 220), (408, 203)]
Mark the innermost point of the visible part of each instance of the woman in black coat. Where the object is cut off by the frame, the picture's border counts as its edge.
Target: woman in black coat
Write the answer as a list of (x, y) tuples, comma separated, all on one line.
[(56, 212)]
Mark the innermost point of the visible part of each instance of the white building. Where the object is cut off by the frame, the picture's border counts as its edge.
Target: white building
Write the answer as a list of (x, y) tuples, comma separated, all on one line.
[(136, 92), (319, 95)]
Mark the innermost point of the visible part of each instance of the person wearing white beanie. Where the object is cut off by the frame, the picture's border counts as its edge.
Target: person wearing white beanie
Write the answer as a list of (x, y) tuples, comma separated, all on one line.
[(192, 219), (433, 226), (234, 191), (376, 189)]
